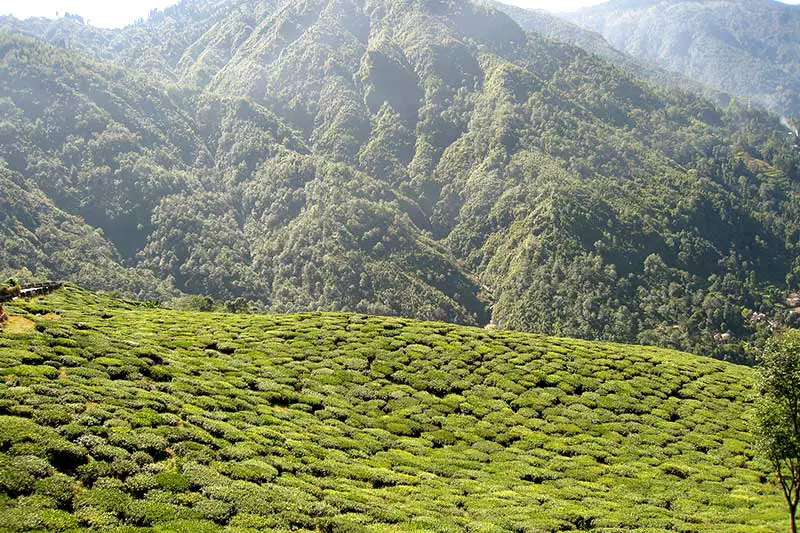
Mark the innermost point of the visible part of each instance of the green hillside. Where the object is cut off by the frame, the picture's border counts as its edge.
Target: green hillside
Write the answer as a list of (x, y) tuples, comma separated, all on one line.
[(115, 416), (427, 159), (560, 29)]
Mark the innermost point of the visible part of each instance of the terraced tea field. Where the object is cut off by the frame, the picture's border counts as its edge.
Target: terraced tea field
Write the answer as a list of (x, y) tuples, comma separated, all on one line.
[(116, 417)]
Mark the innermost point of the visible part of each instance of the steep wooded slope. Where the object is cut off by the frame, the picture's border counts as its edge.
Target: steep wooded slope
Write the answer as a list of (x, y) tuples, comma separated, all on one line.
[(423, 158), (559, 28), (186, 43), (178, 182), (36, 233)]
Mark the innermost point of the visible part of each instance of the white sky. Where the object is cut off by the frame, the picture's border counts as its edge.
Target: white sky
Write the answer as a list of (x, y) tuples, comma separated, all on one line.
[(102, 13), (116, 13)]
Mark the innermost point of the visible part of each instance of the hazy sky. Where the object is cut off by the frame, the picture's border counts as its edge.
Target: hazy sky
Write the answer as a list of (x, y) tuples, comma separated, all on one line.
[(115, 13)]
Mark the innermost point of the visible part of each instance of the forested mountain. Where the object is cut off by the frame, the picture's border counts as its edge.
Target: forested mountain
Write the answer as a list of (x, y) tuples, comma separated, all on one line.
[(421, 158), (560, 29), (187, 42), (748, 48)]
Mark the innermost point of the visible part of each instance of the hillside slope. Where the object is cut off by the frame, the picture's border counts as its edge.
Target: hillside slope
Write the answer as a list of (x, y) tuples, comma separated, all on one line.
[(560, 29), (34, 231), (748, 48), (214, 195), (112, 413), (185, 43), (418, 158)]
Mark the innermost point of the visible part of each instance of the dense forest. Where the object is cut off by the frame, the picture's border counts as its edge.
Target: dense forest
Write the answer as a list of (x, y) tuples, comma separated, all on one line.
[(558, 27), (427, 158)]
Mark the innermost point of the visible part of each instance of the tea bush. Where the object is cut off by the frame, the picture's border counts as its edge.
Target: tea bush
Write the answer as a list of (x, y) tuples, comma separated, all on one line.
[(338, 422)]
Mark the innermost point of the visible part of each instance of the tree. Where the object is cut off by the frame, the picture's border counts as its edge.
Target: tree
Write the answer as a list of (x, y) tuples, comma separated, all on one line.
[(778, 413), (9, 289), (239, 305)]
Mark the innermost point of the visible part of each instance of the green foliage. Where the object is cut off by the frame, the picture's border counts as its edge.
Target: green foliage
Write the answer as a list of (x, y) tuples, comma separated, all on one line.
[(9, 290), (325, 421), (59, 487), (422, 159), (778, 413), (172, 481)]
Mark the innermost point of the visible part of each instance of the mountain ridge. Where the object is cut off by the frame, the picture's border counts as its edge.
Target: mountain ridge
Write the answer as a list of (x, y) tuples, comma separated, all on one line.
[(428, 159), (560, 28), (743, 47)]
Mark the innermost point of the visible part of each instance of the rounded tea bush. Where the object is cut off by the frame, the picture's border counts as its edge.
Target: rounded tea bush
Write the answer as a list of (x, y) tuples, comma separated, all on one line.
[(215, 510), (59, 487), (172, 481), (139, 484)]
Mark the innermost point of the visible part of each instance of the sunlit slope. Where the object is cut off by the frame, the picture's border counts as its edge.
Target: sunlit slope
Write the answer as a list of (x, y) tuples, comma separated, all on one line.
[(425, 159), (114, 414)]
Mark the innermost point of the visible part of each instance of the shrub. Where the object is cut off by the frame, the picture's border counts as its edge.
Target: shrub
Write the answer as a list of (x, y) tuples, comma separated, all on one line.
[(250, 470), (54, 417), (18, 475), (441, 438), (108, 361), (187, 526), (138, 484), (20, 519), (112, 500), (30, 371), (14, 481), (252, 522), (240, 451), (107, 452), (131, 440), (59, 487), (172, 481), (200, 476), (215, 510), (57, 520), (147, 512), (15, 429), (124, 467), (141, 458), (93, 470), (159, 373), (95, 518), (196, 452)]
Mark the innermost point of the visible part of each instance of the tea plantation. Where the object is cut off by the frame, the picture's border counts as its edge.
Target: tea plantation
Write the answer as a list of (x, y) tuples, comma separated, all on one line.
[(119, 417)]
